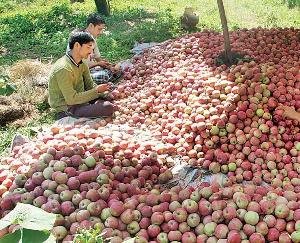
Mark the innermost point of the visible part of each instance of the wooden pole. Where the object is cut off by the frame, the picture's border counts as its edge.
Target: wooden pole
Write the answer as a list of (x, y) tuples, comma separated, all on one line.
[(227, 47), (103, 7)]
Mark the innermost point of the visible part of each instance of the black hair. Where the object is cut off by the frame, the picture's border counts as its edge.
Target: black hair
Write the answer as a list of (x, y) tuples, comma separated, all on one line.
[(81, 37), (94, 19)]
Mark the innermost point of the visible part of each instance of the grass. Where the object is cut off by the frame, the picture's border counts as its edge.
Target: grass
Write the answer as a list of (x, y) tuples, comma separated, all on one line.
[(8, 132), (39, 28)]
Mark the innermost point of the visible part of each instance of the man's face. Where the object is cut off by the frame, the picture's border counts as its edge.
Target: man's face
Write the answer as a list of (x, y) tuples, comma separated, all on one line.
[(86, 49), (96, 30)]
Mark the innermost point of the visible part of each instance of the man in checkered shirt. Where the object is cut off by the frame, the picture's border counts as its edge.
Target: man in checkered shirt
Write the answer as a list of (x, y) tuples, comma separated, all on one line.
[(101, 70)]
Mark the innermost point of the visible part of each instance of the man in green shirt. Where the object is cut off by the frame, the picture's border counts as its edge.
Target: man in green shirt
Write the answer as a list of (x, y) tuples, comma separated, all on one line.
[(71, 88)]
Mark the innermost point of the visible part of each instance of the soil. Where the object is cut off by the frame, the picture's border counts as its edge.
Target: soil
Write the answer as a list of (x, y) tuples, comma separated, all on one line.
[(235, 58), (10, 110)]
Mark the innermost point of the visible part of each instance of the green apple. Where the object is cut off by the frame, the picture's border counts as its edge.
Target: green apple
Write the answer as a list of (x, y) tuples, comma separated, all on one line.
[(90, 161), (296, 236), (209, 228), (259, 112), (251, 218), (214, 130), (102, 179), (297, 146), (222, 132), (232, 166)]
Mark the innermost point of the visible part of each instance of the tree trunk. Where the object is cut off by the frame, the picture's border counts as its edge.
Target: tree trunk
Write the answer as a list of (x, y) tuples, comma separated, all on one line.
[(227, 46), (103, 7), (74, 1)]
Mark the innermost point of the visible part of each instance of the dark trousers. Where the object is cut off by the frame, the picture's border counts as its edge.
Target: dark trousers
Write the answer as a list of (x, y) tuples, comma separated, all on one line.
[(96, 109)]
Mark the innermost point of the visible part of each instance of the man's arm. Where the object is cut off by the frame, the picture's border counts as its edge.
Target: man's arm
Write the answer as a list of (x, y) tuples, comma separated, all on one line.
[(104, 64), (89, 83), (87, 79), (289, 112), (99, 62)]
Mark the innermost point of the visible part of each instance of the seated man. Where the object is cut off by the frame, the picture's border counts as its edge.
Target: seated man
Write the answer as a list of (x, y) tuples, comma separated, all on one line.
[(101, 70), (71, 88)]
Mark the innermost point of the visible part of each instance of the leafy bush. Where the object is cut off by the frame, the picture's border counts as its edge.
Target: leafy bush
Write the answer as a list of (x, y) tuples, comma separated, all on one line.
[(292, 3), (6, 88), (32, 225), (36, 33), (88, 236), (44, 34), (10, 5), (136, 25)]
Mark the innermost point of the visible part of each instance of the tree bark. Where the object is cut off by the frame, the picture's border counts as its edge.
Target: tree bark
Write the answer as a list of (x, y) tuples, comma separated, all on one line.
[(74, 1), (103, 7), (227, 47)]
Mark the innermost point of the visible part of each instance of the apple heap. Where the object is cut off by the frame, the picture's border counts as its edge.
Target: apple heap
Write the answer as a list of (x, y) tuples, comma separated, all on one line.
[(210, 213), (223, 119), (82, 141), (86, 191), (109, 173)]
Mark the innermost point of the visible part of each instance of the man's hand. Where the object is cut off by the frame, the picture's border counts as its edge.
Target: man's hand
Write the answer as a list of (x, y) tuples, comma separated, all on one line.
[(103, 64), (115, 68), (288, 111), (102, 88)]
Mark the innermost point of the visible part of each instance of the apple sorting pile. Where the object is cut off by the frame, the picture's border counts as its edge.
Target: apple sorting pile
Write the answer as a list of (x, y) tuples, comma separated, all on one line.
[(223, 119)]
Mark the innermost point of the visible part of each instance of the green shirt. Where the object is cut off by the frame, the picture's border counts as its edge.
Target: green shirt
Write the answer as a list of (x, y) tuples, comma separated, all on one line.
[(70, 84)]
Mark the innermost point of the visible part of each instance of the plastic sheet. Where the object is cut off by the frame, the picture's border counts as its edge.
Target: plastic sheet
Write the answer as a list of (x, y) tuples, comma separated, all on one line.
[(185, 175)]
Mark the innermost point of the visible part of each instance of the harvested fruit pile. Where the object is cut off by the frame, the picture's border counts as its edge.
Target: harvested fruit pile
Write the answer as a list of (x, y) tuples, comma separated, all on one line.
[(176, 102)]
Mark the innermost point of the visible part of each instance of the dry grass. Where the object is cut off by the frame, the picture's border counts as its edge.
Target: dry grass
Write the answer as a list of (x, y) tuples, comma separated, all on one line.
[(30, 77), (30, 71), (28, 67)]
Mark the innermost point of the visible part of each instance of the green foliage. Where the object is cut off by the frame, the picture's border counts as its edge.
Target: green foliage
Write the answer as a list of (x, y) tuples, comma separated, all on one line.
[(43, 106), (136, 25), (32, 34), (89, 236), (8, 132), (7, 5), (35, 225), (292, 3), (47, 33), (6, 135), (6, 88), (27, 235)]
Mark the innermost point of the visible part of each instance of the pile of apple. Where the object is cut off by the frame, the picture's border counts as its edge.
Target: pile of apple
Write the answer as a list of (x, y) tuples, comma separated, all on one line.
[(224, 119), (81, 176)]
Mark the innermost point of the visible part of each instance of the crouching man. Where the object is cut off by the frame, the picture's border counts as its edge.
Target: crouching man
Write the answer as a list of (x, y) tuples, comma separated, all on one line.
[(72, 91), (101, 70)]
